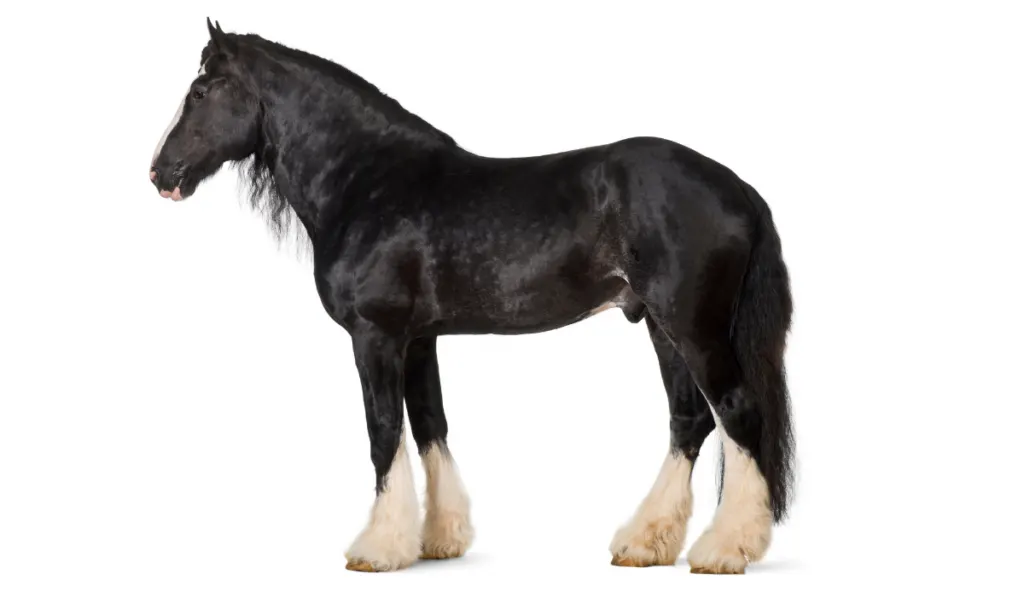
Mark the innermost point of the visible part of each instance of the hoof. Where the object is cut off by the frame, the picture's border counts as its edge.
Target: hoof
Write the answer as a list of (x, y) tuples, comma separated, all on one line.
[(702, 570), (441, 555), (385, 563), (446, 537), (742, 527), (724, 553), (631, 562), (364, 566), (447, 530), (382, 550), (658, 544), (391, 538), (655, 534), (446, 534), (446, 550)]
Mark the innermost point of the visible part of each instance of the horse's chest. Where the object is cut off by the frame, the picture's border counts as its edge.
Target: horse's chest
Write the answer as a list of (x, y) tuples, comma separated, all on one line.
[(389, 286)]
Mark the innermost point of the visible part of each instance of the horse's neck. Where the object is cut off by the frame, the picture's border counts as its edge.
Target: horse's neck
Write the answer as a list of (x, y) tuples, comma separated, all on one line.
[(329, 136), (297, 150), (306, 169)]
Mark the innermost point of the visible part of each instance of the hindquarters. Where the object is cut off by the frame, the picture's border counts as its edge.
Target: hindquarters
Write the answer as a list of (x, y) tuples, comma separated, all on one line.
[(704, 257), (686, 232)]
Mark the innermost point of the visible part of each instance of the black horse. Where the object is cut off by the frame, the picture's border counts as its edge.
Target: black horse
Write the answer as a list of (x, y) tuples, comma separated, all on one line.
[(414, 237)]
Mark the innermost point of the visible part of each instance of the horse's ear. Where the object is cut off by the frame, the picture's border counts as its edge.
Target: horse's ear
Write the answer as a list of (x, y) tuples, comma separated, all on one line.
[(213, 30), (220, 39)]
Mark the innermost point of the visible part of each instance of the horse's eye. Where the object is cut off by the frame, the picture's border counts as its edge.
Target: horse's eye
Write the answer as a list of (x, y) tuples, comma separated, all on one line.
[(198, 94)]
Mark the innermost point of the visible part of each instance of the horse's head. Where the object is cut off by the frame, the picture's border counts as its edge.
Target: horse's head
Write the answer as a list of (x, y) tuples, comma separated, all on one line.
[(216, 122)]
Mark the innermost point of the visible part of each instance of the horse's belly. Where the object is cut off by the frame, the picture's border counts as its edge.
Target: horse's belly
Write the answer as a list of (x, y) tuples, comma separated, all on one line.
[(535, 308)]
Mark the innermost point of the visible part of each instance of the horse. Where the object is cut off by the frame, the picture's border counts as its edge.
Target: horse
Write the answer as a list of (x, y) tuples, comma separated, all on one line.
[(414, 237)]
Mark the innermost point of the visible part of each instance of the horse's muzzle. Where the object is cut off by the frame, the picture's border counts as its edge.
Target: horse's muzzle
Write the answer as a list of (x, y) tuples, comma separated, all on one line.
[(162, 185)]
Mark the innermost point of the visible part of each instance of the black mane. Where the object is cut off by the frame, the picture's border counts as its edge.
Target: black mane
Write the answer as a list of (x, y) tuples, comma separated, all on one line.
[(368, 92)]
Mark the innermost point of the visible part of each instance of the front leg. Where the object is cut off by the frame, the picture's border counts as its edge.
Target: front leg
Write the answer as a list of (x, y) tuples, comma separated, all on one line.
[(447, 530), (391, 539)]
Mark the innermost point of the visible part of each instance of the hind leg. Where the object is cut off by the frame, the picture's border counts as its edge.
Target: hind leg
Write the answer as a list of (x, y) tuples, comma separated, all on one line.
[(741, 529), (697, 315), (657, 530), (447, 531)]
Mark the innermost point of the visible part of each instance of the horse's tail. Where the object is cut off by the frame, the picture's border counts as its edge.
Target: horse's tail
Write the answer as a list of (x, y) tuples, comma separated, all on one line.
[(759, 334)]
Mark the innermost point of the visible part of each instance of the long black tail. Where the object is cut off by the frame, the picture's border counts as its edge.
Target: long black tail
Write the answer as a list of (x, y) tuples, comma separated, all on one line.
[(759, 339)]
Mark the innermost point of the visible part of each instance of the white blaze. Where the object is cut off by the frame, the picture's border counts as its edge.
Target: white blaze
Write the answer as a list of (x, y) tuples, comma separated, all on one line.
[(174, 121), (170, 127)]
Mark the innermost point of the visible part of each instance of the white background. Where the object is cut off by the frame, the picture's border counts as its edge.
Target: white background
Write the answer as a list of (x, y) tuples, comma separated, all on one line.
[(179, 415)]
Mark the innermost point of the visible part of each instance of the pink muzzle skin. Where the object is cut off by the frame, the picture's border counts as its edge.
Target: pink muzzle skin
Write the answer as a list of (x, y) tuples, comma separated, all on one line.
[(174, 195)]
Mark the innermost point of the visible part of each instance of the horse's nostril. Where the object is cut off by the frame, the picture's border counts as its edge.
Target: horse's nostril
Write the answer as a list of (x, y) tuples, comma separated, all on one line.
[(153, 173)]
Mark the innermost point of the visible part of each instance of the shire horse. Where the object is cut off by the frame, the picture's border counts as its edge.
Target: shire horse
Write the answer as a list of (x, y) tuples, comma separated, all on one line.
[(414, 237)]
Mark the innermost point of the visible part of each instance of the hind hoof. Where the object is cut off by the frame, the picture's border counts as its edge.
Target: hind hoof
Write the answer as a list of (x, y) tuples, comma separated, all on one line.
[(657, 543), (442, 552), (702, 570), (363, 566), (716, 552), (631, 562)]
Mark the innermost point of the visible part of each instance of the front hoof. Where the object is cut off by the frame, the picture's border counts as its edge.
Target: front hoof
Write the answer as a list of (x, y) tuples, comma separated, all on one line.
[(442, 552), (446, 535), (383, 552), (361, 565)]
